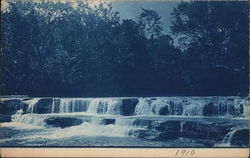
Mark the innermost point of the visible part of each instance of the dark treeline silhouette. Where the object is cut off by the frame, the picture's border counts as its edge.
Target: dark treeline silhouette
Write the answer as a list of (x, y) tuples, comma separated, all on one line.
[(72, 49)]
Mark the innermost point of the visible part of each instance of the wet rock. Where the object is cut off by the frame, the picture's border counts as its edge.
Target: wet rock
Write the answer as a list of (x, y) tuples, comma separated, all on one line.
[(231, 110), (108, 121), (138, 133), (155, 135), (230, 99), (175, 108), (218, 131), (128, 106), (206, 142), (162, 130), (164, 111), (10, 106), (62, 121), (208, 109), (167, 126), (213, 109), (169, 135), (102, 108), (205, 130), (5, 118), (241, 138), (56, 105), (44, 106), (24, 107), (145, 134), (151, 135), (241, 109), (195, 130), (142, 123)]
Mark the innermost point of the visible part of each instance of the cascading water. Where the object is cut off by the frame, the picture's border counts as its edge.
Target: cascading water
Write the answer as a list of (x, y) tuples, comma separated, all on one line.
[(228, 138), (105, 106), (106, 117), (53, 106), (93, 106), (193, 106), (31, 104), (113, 107), (30, 117), (97, 127), (143, 107), (169, 106), (70, 105), (182, 106)]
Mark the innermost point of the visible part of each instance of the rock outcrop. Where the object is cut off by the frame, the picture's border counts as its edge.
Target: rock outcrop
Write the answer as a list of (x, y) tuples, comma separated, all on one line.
[(43, 106), (9, 106), (128, 106), (62, 122), (241, 138), (108, 121)]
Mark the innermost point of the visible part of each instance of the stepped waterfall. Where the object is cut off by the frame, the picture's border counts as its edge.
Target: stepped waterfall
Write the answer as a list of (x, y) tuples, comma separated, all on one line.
[(222, 107), (153, 119)]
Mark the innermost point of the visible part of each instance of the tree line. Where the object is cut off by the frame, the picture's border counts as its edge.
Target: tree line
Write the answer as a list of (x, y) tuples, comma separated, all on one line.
[(75, 49)]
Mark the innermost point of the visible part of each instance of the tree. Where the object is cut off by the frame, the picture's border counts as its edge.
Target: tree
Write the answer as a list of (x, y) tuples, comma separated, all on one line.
[(150, 23), (80, 50), (217, 32)]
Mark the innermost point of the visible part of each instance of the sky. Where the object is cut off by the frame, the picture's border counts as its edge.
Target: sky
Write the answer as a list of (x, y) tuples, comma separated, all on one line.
[(132, 10)]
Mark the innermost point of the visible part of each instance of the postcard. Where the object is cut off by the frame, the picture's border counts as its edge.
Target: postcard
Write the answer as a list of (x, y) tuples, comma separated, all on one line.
[(124, 78)]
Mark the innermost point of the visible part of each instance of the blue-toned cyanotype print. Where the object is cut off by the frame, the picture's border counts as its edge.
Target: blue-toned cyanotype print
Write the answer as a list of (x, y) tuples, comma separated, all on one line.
[(124, 74)]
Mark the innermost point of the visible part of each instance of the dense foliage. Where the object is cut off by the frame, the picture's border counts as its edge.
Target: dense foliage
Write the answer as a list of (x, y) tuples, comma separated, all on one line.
[(72, 49)]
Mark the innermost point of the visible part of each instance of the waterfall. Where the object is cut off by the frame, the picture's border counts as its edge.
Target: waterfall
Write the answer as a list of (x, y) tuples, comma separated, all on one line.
[(64, 105), (70, 105), (228, 138), (193, 106), (125, 126), (93, 106), (229, 107), (114, 106), (53, 106), (182, 123), (32, 119), (243, 106), (169, 106), (121, 128), (20, 103), (143, 107), (105, 106), (149, 118), (31, 103)]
